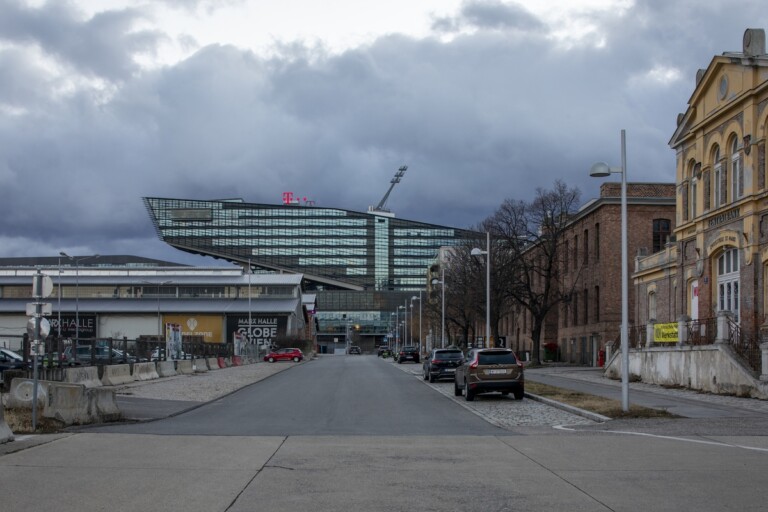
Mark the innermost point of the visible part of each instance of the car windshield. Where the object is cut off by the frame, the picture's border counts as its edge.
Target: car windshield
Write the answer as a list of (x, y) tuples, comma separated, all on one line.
[(496, 358), (448, 354)]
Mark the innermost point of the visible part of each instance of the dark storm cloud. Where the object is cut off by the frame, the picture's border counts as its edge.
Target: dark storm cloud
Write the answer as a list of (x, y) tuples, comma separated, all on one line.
[(101, 46), (485, 117), (490, 15)]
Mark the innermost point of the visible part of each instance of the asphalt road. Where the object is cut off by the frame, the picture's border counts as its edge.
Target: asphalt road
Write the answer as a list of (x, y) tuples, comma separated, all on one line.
[(297, 441), (359, 395)]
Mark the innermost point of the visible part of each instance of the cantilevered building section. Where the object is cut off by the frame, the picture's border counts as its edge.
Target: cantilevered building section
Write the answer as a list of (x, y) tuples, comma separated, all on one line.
[(336, 250), (333, 248)]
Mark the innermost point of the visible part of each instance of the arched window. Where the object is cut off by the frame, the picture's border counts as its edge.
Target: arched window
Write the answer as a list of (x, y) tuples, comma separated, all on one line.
[(737, 171), (720, 178), (728, 282)]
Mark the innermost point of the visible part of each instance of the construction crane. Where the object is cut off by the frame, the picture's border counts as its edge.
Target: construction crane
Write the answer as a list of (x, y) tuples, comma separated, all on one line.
[(398, 176)]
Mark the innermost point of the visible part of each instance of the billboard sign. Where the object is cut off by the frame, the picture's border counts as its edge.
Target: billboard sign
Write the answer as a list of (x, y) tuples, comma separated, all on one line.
[(69, 325), (207, 326), (263, 329)]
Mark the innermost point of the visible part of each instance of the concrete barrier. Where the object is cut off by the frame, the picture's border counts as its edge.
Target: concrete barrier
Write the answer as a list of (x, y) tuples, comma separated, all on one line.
[(88, 376), (237, 361), (5, 431), (116, 374), (22, 392), (145, 371), (184, 366), (166, 368), (222, 362), (201, 365), (213, 363), (71, 404)]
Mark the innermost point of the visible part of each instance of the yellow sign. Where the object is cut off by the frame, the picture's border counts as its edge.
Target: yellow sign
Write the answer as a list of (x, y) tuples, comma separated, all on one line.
[(665, 333), (210, 327)]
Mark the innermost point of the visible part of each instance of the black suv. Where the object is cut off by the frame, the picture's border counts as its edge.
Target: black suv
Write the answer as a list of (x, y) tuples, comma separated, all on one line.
[(442, 363), (408, 353)]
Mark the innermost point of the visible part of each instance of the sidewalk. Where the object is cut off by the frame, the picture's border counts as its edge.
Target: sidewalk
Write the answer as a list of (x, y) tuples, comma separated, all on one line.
[(681, 402)]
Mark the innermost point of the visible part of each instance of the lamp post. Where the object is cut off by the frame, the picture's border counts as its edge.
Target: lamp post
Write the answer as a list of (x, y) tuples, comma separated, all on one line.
[(441, 282), (487, 252), (77, 297), (159, 324), (602, 170), (421, 338), (405, 321)]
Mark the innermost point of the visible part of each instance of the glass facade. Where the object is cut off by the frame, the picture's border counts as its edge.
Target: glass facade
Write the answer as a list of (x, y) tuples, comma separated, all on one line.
[(360, 264)]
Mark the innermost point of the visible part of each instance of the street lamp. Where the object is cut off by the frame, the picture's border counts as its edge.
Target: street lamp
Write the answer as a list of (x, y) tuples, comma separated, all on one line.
[(487, 252), (601, 170), (77, 297), (159, 324), (441, 282), (418, 299)]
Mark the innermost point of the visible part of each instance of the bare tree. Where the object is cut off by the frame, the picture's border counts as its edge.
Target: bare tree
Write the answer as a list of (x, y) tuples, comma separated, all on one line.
[(531, 236)]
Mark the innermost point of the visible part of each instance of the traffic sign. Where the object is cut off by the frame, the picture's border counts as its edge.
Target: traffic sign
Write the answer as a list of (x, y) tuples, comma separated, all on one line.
[(45, 327), (46, 309), (42, 287)]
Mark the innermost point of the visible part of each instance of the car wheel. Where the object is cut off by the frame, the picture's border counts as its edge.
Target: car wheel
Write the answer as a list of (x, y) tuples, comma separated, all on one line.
[(456, 389), (432, 378), (295, 359), (469, 395), (519, 394), (271, 359)]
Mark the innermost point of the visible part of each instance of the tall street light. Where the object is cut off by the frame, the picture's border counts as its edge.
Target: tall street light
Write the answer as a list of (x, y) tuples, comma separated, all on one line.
[(441, 282), (77, 297), (601, 170), (487, 252), (420, 336), (159, 323)]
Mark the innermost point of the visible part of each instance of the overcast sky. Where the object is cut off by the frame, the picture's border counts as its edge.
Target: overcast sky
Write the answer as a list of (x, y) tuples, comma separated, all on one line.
[(103, 102)]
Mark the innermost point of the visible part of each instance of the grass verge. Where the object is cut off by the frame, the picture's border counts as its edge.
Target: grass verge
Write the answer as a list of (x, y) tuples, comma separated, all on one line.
[(592, 403)]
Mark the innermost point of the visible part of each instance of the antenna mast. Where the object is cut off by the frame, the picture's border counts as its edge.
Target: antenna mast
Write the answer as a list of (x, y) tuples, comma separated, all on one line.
[(398, 176)]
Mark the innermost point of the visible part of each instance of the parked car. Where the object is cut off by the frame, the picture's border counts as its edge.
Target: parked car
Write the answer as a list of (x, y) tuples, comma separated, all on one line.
[(384, 351), (285, 354), (442, 363), (489, 369), (408, 353), (354, 349), (10, 360), (98, 355), (157, 355)]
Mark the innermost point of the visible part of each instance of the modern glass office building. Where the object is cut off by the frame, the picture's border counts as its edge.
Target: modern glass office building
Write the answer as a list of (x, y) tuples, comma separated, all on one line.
[(361, 264)]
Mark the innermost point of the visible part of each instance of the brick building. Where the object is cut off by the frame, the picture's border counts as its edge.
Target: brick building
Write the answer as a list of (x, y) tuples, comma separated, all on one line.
[(590, 269)]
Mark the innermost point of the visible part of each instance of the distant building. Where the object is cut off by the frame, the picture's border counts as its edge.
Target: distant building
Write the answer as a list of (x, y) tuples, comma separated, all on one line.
[(361, 265), (127, 297)]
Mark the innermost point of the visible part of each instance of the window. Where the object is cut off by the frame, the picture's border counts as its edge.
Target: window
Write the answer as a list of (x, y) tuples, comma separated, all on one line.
[(586, 307), (597, 241), (721, 179), (576, 252), (661, 232), (728, 282), (597, 304), (586, 247), (737, 171), (707, 190)]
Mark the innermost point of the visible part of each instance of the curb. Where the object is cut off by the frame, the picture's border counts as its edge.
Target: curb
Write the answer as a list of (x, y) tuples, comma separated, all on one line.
[(569, 408)]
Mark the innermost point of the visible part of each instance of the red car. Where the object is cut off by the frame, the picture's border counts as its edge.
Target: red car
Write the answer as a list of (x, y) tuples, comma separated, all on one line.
[(285, 354)]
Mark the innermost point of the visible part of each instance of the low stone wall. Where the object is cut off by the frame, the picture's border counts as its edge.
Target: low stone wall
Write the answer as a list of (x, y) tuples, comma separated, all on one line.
[(710, 368)]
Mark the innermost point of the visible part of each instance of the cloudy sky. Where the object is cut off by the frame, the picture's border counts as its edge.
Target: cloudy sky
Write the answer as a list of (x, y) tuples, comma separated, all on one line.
[(103, 102)]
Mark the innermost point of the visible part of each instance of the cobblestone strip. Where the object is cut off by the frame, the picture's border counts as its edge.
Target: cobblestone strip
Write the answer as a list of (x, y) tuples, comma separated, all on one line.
[(505, 411)]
